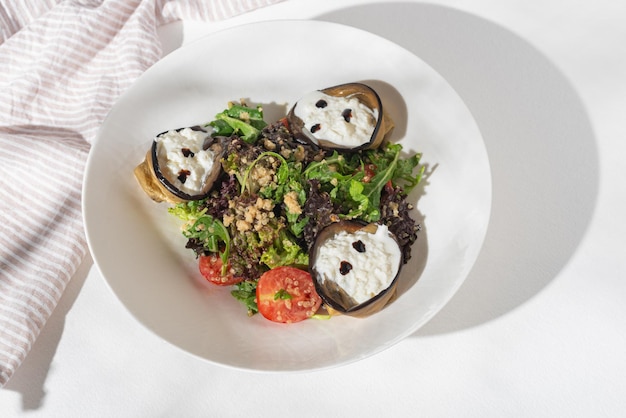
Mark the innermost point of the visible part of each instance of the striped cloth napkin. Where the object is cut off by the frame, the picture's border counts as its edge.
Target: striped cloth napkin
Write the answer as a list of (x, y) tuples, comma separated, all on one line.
[(63, 63)]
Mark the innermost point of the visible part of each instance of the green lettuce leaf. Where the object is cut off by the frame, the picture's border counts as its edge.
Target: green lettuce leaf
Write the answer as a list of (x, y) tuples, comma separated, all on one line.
[(209, 231), (285, 252)]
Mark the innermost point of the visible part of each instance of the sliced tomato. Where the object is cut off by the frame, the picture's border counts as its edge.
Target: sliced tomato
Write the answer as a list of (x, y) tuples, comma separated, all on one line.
[(211, 268), (287, 294)]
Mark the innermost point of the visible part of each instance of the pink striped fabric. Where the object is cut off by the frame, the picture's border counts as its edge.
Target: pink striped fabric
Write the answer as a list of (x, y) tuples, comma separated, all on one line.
[(62, 66)]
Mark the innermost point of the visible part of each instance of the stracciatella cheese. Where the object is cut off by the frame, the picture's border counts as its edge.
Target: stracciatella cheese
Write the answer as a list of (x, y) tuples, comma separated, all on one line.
[(361, 263), (182, 159), (344, 121)]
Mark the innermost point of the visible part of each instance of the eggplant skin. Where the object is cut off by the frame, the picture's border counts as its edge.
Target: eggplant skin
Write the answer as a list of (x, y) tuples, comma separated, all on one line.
[(366, 95), (159, 189), (336, 300), (145, 175)]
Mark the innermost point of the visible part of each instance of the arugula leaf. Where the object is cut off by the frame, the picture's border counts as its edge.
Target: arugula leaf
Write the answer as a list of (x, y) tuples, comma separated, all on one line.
[(245, 292), (342, 177), (385, 168), (336, 175), (246, 114), (404, 172), (282, 294), (297, 226), (221, 128), (367, 206), (403, 168), (241, 120), (337, 166), (211, 232), (243, 129), (204, 228)]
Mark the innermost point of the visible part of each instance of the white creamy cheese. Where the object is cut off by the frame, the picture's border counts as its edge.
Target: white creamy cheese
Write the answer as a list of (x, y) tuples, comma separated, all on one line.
[(182, 159), (361, 263), (344, 121)]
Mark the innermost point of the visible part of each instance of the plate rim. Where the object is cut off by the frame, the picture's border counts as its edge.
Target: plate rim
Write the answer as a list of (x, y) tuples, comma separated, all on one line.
[(173, 55)]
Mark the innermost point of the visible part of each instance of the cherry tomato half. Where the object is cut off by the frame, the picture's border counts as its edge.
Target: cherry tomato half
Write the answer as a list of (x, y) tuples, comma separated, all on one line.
[(211, 268), (287, 294), (370, 172)]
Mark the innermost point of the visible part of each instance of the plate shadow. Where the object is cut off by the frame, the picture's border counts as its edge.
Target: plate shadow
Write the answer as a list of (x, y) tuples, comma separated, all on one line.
[(539, 139)]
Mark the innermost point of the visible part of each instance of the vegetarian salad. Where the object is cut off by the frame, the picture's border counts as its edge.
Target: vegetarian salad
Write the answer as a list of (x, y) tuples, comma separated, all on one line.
[(282, 215)]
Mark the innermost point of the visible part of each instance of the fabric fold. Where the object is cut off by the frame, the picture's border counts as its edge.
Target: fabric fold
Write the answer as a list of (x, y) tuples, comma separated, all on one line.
[(63, 65)]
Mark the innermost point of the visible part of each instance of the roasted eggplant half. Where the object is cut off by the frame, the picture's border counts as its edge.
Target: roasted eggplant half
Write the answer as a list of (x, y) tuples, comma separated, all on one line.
[(181, 165), (348, 117), (355, 267)]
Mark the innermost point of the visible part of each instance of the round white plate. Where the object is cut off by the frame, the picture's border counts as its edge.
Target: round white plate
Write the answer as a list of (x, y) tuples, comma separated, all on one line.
[(139, 249)]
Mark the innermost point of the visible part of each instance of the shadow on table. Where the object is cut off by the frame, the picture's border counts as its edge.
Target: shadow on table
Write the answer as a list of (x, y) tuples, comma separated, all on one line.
[(540, 143), (29, 379), (542, 154)]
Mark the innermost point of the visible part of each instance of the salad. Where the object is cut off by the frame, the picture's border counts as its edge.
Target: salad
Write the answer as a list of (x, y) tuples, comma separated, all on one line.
[(255, 228)]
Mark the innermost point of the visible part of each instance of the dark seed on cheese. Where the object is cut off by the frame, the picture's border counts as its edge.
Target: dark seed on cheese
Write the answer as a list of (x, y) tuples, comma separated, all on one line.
[(347, 115), (315, 128), (182, 175), (187, 152), (359, 246), (321, 104), (345, 268)]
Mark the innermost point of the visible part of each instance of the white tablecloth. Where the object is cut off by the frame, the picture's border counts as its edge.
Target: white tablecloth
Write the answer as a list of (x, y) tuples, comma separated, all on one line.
[(537, 329)]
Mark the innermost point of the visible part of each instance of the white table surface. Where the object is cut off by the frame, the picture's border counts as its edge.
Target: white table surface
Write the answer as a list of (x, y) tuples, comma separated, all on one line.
[(539, 327)]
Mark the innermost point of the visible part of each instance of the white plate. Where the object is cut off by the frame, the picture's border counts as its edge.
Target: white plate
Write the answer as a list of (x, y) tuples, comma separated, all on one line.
[(140, 252)]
